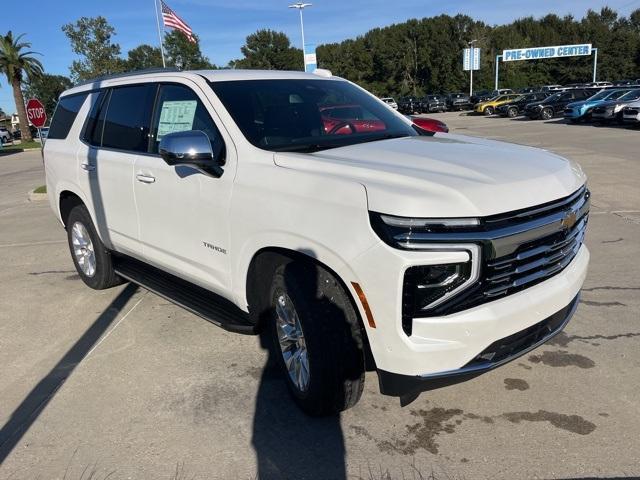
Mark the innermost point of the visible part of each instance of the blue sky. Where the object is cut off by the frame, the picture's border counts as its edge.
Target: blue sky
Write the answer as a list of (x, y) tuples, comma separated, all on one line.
[(223, 24)]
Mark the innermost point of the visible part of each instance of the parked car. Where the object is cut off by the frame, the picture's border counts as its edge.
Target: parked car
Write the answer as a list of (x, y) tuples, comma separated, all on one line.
[(430, 124), (391, 102), (580, 111), (5, 135), (221, 191), (481, 96), (612, 110), (489, 107), (409, 105), (433, 103), (555, 104), (458, 101), (631, 113), (345, 119), (514, 108), (550, 88)]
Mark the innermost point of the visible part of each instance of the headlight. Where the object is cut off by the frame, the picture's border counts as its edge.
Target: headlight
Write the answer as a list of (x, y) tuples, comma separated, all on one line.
[(617, 108), (406, 233)]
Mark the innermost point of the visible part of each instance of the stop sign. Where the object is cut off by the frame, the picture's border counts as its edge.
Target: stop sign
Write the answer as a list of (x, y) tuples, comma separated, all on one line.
[(35, 113)]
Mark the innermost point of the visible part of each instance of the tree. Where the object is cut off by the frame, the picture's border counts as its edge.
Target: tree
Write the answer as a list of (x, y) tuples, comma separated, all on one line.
[(178, 49), (143, 56), (17, 62), (91, 39), (269, 50), (47, 88)]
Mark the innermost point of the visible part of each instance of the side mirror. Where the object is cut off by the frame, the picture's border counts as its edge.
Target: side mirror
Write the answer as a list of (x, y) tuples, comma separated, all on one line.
[(189, 148)]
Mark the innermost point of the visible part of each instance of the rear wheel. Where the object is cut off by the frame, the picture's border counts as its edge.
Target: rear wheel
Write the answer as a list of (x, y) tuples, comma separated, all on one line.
[(512, 112), (488, 111), (317, 339), (91, 258)]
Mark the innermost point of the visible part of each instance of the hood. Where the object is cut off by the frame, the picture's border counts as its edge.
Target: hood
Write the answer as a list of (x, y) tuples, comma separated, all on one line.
[(445, 175)]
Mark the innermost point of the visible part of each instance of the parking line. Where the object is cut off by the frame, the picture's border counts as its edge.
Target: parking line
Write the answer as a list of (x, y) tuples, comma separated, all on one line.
[(31, 244), (115, 326)]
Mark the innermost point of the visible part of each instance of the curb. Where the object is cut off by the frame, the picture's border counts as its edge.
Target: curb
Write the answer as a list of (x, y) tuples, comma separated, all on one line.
[(36, 197)]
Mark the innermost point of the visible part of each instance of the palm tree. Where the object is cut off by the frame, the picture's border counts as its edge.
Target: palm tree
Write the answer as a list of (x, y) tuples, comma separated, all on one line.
[(16, 63)]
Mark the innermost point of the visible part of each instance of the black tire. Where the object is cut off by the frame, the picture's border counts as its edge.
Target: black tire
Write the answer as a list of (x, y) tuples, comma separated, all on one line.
[(546, 114), (488, 111), (512, 112), (104, 275), (332, 336)]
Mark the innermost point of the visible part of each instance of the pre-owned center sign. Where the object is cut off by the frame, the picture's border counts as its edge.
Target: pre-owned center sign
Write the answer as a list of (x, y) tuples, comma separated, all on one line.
[(546, 52)]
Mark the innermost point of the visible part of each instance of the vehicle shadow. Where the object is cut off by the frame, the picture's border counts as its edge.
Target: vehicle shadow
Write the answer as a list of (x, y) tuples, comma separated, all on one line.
[(289, 443), (39, 397)]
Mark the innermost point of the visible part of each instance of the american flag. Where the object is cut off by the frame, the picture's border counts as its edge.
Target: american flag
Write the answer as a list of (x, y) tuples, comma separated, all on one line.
[(171, 20)]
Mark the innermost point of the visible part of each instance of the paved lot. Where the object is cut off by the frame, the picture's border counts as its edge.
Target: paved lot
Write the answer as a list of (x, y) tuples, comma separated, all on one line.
[(125, 385)]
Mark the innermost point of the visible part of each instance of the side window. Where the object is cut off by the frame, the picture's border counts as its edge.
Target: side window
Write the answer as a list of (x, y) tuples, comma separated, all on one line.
[(179, 109), (65, 114), (126, 124), (95, 120)]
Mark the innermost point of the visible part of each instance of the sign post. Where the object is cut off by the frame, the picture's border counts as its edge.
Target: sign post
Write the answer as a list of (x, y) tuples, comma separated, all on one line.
[(37, 116), (471, 62)]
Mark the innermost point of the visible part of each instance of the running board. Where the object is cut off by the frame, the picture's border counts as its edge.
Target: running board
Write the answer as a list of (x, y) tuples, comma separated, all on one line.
[(197, 300)]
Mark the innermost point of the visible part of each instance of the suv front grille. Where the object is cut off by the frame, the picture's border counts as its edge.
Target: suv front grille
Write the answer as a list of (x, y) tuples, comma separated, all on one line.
[(519, 249)]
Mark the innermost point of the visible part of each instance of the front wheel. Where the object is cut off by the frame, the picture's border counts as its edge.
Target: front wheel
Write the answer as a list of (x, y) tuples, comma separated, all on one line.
[(91, 258), (512, 112), (488, 111), (546, 114), (317, 339)]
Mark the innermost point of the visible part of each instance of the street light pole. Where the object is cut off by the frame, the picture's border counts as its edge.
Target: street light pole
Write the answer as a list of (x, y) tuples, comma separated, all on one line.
[(301, 6)]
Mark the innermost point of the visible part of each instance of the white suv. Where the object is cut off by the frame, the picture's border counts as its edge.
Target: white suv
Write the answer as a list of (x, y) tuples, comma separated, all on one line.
[(631, 113), (302, 207)]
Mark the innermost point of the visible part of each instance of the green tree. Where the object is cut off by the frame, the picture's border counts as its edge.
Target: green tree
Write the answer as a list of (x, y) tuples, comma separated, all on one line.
[(19, 64), (144, 56), (47, 88), (178, 49), (269, 50), (91, 39)]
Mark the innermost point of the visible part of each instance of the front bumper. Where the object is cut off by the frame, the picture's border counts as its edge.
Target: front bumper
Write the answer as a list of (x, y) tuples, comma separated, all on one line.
[(495, 355)]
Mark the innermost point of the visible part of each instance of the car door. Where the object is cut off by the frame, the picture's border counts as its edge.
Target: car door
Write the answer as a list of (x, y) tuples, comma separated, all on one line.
[(183, 212), (116, 132)]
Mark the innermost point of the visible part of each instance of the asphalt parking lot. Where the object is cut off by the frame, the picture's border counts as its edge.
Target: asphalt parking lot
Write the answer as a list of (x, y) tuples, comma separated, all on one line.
[(125, 385)]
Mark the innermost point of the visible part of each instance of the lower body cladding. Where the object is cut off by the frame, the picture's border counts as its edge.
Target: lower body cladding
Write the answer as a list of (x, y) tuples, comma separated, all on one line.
[(443, 350)]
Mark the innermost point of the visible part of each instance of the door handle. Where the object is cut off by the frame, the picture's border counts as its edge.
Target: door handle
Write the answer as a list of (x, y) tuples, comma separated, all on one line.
[(145, 178), (87, 167)]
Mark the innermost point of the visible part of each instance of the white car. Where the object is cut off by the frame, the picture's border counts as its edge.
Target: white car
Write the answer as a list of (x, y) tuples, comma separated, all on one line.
[(5, 135), (345, 236), (631, 113), (391, 102)]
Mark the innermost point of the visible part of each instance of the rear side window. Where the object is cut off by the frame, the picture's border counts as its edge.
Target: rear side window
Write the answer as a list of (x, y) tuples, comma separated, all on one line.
[(65, 114), (128, 116), (95, 121)]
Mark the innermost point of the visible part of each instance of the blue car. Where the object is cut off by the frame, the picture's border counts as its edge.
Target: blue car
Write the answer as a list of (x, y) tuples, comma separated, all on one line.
[(578, 111)]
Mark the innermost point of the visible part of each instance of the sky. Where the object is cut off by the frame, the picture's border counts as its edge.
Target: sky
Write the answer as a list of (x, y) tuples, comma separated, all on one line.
[(223, 25)]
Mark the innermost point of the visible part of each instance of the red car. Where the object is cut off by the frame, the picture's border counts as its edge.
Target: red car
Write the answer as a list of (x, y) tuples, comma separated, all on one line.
[(430, 124), (346, 119)]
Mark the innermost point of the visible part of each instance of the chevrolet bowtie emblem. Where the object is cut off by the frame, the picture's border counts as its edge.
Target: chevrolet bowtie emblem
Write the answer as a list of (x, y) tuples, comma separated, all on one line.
[(569, 220)]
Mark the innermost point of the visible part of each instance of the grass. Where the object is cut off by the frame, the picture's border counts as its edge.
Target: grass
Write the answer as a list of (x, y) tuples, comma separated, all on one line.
[(20, 146), (41, 189)]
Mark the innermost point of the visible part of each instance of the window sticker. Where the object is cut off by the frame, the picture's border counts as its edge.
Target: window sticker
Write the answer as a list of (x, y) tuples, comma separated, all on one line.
[(176, 116)]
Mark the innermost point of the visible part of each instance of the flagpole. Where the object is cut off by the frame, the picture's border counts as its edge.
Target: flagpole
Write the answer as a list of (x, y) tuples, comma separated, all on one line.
[(155, 6)]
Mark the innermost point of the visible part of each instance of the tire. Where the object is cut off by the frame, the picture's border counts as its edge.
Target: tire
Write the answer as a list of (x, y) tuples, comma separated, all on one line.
[(488, 111), (87, 249), (512, 112), (546, 114), (332, 339)]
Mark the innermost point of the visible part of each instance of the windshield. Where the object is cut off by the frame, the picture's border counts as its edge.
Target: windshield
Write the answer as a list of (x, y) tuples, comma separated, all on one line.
[(308, 115)]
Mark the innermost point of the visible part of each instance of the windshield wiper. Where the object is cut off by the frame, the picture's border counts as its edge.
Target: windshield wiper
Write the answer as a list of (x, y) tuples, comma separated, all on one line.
[(388, 136)]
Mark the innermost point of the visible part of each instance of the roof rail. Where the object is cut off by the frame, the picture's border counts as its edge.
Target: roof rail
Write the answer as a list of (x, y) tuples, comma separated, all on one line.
[(128, 74)]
